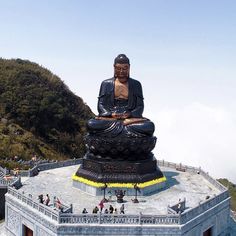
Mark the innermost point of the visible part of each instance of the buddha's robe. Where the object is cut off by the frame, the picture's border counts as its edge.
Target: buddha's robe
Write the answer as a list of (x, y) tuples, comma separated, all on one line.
[(115, 97)]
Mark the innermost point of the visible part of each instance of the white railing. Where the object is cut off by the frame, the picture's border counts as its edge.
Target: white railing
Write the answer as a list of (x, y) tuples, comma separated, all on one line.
[(4, 171), (46, 210), (192, 169), (208, 204), (5, 182), (218, 185), (140, 219), (8, 181), (119, 219), (47, 166), (69, 218)]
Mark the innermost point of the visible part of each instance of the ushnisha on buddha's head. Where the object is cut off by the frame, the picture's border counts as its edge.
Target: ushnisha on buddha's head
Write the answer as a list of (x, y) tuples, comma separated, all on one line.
[(121, 68)]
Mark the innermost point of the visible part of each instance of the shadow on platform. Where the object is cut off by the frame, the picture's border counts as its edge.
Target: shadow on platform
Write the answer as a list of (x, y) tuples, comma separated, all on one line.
[(170, 180)]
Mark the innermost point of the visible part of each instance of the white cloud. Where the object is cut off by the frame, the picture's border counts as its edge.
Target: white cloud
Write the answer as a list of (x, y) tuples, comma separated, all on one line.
[(198, 135)]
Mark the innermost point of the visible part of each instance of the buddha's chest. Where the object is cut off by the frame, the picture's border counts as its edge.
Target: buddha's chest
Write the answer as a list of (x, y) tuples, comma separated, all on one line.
[(121, 90)]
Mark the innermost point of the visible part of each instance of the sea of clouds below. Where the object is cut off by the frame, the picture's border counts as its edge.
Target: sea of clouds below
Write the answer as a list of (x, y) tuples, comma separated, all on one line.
[(200, 136)]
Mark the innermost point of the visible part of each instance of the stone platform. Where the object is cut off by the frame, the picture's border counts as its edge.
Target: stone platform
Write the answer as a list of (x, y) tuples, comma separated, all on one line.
[(206, 207), (58, 182)]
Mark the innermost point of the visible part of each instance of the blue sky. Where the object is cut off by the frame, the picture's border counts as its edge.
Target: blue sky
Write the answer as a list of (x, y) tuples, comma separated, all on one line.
[(183, 52)]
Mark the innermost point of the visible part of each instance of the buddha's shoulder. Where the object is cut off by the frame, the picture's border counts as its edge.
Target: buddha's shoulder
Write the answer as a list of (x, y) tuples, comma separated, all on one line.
[(111, 81), (108, 81)]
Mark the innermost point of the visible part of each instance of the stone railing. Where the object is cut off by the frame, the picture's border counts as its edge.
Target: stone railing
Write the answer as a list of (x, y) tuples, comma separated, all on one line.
[(119, 219), (47, 166), (218, 185), (62, 207), (206, 205), (177, 208), (46, 210), (16, 181), (4, 171), (70, 218), (5, 182), (140, 219), (192, 169)]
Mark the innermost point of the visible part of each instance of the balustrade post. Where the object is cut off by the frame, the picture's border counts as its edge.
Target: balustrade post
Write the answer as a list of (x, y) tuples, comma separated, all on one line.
[(99, 219), (180, 219), (59, 217), (140, 218)]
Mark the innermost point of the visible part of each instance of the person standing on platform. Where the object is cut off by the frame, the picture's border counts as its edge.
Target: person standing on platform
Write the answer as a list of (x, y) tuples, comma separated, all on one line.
[(111, 209), (101, 206), (47, 200), (122, 209)]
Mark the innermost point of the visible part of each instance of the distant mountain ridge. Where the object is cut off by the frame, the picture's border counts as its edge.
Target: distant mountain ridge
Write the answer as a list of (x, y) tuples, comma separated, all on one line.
[(39, 105)]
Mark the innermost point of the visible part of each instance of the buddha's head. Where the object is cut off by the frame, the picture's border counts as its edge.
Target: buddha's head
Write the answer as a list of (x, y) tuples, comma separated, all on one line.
[(121, 68)]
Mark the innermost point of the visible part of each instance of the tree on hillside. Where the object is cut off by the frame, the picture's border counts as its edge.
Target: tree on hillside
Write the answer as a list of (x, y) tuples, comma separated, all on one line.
[(39, 102)]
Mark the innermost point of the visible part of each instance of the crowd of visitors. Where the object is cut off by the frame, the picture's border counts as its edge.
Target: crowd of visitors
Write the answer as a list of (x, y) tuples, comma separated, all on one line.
[(99, 208), (110, 210), (56, 202)]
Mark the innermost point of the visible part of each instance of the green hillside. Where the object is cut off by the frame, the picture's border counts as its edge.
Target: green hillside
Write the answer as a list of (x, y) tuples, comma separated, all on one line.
[(232, 191), (39, 115)]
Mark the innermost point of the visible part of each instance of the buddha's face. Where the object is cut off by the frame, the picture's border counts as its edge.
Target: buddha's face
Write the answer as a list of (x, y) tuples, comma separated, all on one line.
[(122, 72)]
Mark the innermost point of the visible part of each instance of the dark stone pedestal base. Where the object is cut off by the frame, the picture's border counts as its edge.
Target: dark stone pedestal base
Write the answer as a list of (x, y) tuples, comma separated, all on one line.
[(95, 172), (99, 170), (119, 163)]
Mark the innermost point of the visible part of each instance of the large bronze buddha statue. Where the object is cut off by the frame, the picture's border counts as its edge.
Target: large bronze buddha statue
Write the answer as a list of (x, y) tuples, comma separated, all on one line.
[(120, 131), (120, 140), (120, 105)]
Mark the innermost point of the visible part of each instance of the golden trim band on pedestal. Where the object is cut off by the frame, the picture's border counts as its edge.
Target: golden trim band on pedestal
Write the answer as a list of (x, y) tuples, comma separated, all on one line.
[(118, 185)]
